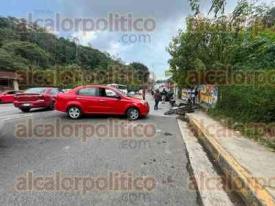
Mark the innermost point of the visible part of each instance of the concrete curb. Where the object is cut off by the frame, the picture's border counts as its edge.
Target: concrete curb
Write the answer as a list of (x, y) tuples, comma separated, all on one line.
[(201, 166), (249, 188)]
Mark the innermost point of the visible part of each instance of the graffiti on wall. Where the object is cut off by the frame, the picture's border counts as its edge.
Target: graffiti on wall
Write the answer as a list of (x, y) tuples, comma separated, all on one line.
[(208, 95)]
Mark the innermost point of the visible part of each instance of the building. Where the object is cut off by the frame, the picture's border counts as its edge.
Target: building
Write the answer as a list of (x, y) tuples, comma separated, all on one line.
[(8, 80)]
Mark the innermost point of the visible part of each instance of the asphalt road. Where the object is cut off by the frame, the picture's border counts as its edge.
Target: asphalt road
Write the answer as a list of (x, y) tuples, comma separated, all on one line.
[(46, 144)]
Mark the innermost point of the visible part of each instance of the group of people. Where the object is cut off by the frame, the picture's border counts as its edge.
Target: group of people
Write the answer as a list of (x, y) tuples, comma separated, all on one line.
[(164, 95), (161, 96), (192, 95)]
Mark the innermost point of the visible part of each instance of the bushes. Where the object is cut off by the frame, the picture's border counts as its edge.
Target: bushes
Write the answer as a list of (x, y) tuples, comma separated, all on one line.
[(247, 103), (250, 110)]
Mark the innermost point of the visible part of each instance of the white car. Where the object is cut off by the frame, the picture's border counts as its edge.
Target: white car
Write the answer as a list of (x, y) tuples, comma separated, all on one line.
[(120, 87)]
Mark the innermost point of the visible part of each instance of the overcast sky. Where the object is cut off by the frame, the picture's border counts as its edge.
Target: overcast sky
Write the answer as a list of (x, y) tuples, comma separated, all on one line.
[(169, 16)]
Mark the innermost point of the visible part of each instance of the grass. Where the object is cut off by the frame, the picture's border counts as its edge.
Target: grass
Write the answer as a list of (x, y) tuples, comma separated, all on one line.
[(262, 133)]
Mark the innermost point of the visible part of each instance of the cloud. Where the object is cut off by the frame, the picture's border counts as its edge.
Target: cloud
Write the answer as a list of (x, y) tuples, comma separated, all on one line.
[(85, 38), (157, 8), (168, 15), (165, 13), (169, 18)]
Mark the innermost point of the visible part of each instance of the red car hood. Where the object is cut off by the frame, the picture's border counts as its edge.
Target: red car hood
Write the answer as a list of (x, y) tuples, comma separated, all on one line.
[(135, 99)]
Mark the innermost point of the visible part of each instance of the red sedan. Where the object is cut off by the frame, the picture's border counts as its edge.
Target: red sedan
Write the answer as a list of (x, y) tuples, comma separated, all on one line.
[(8, 96), (42, 97), (97, 99)]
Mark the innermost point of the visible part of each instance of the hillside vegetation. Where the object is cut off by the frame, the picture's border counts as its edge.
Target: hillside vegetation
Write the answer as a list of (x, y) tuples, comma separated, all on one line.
[(23, 44), (28, 46)]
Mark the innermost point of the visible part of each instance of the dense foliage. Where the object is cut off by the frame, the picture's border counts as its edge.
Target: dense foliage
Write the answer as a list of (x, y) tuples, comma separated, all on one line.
[(242, 41), (29, 45), (26, 45)]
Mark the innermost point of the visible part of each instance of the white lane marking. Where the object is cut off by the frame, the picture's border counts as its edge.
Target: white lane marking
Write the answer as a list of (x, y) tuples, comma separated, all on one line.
[(19, 116), (3, 121), (8, 114), (16, 116), (9, 110), (6, 106)]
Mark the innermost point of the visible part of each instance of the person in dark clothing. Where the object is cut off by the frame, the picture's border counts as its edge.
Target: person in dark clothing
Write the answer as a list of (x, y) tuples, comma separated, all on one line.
[(172, 99), (197, 95), (157, 97), (143, 93), (163, 95), (193, 96)]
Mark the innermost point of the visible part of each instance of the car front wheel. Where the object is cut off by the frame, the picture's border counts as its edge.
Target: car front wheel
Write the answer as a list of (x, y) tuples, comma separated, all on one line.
[(74, 112), (133, 114)]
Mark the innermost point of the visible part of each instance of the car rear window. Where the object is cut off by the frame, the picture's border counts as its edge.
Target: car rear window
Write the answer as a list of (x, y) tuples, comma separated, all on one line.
[(11, 92), (35, 90), (54, 91)]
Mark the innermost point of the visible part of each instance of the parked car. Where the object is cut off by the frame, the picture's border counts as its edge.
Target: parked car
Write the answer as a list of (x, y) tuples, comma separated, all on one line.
[(42, 97), (98, 99), (120, 87), (65, 90), (131, 94), (8, 96)]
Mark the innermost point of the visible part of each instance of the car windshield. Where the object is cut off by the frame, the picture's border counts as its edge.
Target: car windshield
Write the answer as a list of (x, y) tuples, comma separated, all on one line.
[(35, 91), (117, 91)]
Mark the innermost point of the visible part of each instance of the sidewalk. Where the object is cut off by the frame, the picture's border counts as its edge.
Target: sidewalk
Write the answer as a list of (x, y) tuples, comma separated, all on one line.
[(162, 107), (244, 161)]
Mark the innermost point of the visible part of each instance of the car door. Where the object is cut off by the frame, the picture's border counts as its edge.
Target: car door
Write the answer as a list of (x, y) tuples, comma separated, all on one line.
[(9, 96), (110, 101), (89, 100)]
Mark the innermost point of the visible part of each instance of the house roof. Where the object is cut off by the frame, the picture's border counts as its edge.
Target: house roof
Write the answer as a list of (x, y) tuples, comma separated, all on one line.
[(8, 75)]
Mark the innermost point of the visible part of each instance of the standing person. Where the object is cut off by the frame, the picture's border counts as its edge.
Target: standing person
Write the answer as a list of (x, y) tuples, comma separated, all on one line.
[(189, 95), (143, 93), (172, 99), (193, 96), (157, 97), (197, 95), (163, 95)]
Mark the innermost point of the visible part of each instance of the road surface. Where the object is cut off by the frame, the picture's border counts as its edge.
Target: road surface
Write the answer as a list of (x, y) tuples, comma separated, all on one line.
[(32, 147)]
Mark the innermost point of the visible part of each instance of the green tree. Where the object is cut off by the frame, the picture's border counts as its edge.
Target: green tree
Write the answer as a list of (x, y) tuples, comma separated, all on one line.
[(141, 71)]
